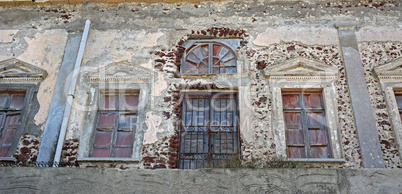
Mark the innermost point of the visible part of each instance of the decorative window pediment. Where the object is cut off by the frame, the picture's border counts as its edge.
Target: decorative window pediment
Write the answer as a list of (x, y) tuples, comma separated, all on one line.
[(303, 82), (301, 68), (391, 70), (120, 72), (16, 71), (390, 76)]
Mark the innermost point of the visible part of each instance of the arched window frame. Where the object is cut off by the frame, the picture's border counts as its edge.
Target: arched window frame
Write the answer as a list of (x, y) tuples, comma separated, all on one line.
[(192, 45)]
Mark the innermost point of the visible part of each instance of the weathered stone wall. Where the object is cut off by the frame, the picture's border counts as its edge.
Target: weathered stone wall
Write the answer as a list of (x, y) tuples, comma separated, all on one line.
[(151, 37), (374, 54), (99, 180)]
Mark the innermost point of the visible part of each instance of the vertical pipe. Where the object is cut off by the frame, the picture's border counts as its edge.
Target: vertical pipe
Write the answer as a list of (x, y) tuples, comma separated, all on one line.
[(70, 96)]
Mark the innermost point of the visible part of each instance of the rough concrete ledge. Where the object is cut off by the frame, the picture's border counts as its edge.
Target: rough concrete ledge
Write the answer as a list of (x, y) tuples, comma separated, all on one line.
[(103, 180)]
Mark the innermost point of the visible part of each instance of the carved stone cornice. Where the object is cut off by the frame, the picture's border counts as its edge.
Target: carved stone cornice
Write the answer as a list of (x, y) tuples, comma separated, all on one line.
[(390, 71), (17, 71), (122, 72), (301, 69)]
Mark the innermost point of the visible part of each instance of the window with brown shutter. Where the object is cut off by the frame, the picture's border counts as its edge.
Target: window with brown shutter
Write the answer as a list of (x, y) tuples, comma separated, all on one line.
[(306, 131), (11, 104), (115, 125)]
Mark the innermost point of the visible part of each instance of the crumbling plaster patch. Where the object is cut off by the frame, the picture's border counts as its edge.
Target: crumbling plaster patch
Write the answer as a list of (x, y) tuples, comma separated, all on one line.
[(6, 36), (46, 51), (306, 35), (153, 122), (114, 45)]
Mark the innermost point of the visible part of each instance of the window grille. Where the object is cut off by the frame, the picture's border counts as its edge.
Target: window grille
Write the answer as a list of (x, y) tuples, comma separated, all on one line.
[(209, 134)]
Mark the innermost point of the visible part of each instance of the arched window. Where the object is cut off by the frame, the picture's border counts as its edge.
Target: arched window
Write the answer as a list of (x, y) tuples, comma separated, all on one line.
[(209, 58)]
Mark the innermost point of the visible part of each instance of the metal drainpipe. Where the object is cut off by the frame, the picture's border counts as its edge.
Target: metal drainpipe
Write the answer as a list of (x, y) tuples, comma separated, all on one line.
[(71, 93)]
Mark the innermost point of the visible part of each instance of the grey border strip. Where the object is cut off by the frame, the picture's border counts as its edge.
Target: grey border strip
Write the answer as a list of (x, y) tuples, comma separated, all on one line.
[(107, 160)]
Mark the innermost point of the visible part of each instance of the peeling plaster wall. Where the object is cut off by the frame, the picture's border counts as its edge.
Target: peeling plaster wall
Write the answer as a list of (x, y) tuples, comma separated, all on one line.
[(151, 36), (42, 49)]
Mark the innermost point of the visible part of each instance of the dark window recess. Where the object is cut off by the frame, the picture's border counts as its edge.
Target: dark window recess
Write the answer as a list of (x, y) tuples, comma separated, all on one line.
[(306, 132), (210, 58), (11, 104), (209, 134), (115, 126), (398, 98)]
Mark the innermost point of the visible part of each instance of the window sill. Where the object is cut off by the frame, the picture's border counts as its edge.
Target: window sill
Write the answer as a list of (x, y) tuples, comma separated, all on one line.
[(8, 159), (133, 160), (316, 160), (218, 75)]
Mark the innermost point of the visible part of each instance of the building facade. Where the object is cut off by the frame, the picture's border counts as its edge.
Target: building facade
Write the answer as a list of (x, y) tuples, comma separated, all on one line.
[(201, 84)]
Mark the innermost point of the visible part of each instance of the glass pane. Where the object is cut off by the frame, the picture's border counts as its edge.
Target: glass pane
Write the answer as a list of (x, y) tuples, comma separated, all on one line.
[(193, 58), (318, 136), (195, 143), (103, 138), (7, 137), (230, 63), (291, 101), (319, 152), (191, 67), (399, 100), (315, 119), (12, 121), (122, 152), (4, 151), (129, 102), (296, 152), (202, 67), (128, 121), (223, 52), (100, 152), (292, 120), (108, 102), (125, 138), (217, 63), (4, 100), (312, 100), (216, 49), (205, 51), (228, 57), (198, 54), (294, 136), (106, 121), (224, 143), (17, 101), (230, 70)]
